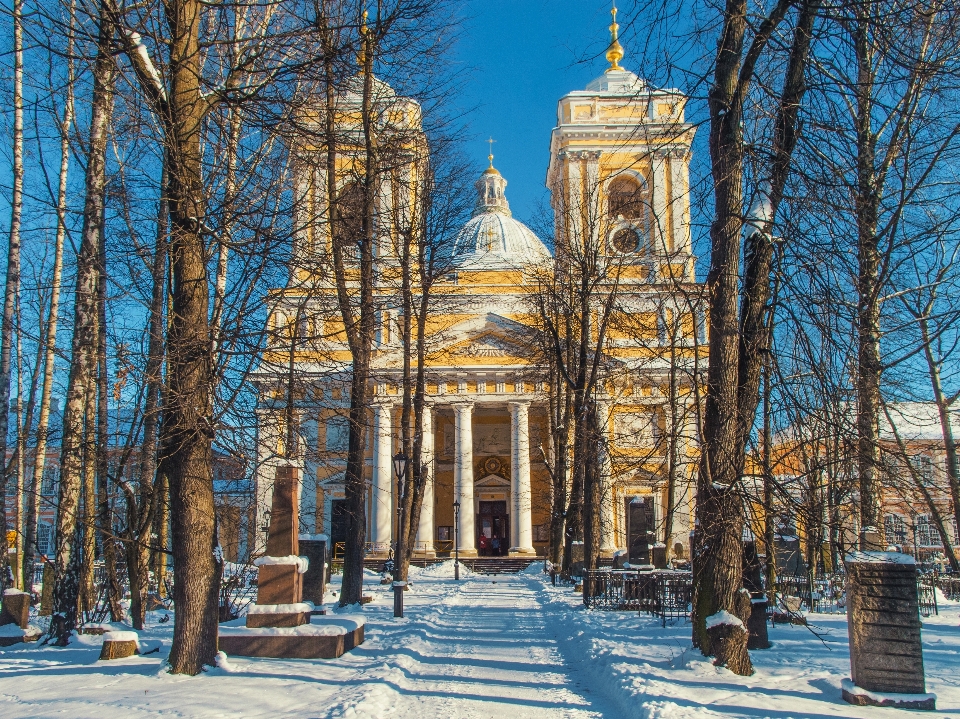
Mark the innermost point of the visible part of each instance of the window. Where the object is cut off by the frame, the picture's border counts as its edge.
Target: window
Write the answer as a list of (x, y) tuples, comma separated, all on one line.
[(338, 434), (43, 538), (626, 199), (927, 534), (48, 486), (923, 465), (895, 529), (350, 206)]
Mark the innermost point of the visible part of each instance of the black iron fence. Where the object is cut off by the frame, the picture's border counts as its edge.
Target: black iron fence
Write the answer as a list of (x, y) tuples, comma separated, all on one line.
[(666, 594), (827, 593), (950, 586)]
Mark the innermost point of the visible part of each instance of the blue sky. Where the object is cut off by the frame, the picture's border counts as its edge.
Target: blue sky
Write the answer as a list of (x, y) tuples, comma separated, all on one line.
[(525, 55)]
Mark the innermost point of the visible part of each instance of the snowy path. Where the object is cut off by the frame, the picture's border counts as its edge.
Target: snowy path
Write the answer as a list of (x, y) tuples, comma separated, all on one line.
[(484, 649), (508, 647)]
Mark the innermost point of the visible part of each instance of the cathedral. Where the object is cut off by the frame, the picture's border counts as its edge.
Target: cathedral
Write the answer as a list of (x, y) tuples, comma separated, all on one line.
[(618, 176)]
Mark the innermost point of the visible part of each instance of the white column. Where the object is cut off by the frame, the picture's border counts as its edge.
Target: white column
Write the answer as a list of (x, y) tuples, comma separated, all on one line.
[(463, 477), (608, 537), (382, 510), (425, 531), (522, 538)]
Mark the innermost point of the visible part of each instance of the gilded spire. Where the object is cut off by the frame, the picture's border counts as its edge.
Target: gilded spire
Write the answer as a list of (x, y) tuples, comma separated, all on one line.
[(362, 55), (615, 51), (491, 169)]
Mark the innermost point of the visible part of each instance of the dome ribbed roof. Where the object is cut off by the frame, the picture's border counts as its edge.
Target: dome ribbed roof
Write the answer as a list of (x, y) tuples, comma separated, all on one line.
[(492, 238)]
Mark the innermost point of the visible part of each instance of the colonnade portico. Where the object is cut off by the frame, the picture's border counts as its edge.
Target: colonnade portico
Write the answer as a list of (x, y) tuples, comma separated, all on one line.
[(465, 490)]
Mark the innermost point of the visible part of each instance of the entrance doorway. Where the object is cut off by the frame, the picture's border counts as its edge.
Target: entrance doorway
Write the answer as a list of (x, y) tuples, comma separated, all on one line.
[(493, 529), (339, 520)]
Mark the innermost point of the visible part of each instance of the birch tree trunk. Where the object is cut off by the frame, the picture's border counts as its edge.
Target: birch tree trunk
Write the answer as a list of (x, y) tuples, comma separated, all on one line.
[(50, 330), (82, 369), (12, 286)]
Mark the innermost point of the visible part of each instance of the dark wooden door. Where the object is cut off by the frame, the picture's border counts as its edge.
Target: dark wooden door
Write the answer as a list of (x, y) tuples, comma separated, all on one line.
[(338, 526), (493, 529)]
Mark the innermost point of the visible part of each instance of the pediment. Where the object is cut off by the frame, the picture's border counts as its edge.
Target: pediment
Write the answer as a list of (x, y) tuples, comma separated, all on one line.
[(492, 480), (482, 339)]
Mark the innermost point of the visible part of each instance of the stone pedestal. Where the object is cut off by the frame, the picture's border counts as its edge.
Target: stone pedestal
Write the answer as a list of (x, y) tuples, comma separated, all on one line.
[(119, 645), (883, 622), (275, 625), (16, 608)]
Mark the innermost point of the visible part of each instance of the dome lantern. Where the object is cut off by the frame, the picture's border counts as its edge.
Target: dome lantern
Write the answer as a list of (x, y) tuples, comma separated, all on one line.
[(492, 238)]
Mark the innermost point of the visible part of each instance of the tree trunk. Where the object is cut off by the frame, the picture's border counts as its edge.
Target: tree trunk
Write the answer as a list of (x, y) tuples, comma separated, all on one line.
[(12, 287), (869, 365), (187, 427), (946, 429), (88, 593), (104, 513), (49, 340), (66, 560), (142, 509), (360, 328)]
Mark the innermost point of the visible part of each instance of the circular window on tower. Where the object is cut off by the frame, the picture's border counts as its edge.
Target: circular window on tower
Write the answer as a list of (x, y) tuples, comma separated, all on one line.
[(626, 240)]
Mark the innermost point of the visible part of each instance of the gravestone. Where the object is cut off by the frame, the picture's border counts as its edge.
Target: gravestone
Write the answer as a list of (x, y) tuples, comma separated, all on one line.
[(757, 637), (786, 546), (314, 548), (279, 617), (16, 608), (883, 622), (639, 530), (659, 553), (280, 572)]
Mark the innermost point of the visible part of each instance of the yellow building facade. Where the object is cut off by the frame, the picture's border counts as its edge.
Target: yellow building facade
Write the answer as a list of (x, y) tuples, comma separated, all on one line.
[(618, 175)]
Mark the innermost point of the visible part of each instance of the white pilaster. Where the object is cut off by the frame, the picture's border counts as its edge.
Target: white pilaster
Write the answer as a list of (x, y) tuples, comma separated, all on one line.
[(425, 531), (681, 201), (658, 200), (608, 537), (522, 536), (463, 477), (381, 532)]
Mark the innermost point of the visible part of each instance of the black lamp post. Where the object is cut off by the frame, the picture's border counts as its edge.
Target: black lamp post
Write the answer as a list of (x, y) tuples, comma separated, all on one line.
[(400, 469), (456, 541)]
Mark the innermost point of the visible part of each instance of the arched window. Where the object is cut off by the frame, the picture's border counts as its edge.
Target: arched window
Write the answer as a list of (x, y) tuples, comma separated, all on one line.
[(626, 199), (350, 206)]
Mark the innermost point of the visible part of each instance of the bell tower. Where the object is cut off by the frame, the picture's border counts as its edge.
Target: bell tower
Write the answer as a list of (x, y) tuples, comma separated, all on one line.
[(618, 173)]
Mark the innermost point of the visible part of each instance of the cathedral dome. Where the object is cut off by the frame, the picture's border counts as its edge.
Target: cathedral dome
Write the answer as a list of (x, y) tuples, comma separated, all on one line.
[(492, 238)]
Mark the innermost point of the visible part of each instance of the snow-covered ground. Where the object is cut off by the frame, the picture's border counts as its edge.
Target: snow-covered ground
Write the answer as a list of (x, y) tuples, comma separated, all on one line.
[(503, 647)]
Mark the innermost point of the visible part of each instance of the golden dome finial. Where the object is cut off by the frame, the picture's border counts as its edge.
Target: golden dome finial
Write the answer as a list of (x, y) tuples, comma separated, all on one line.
[(615, 51), (362, 54), (490, 156)]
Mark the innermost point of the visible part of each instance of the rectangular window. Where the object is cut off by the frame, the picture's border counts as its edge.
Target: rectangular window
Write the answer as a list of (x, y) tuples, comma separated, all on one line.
[(923, 466), (338, 434), (43, 538), (48, 486), (927, 534), (895, 529)]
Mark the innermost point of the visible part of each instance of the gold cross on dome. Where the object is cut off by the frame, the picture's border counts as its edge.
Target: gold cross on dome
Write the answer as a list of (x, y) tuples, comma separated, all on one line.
[(490, 156)]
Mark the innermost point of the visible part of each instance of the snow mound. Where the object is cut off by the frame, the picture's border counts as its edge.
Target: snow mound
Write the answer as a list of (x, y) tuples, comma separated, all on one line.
[(301, 563), (723, 617), (534, 568)]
